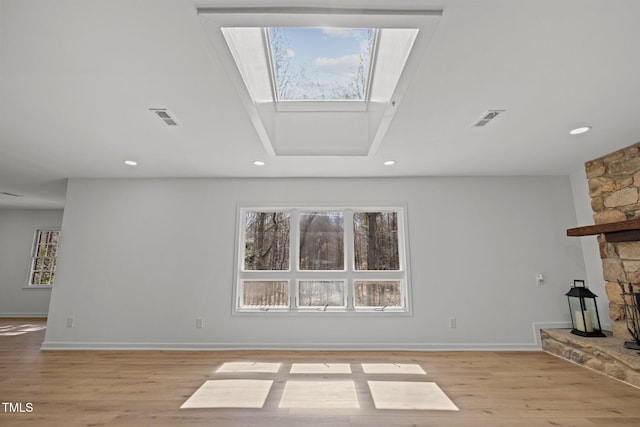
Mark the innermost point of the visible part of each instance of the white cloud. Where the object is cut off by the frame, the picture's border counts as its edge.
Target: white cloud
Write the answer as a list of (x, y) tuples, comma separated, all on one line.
[(340, 32), (289, 53), (343, 65)]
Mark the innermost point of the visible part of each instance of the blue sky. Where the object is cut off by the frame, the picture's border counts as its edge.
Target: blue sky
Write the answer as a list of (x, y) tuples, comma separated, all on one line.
[(328, 56)]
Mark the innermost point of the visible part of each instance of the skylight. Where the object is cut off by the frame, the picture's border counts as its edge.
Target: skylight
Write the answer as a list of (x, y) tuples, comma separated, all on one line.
[(320, 81), (319, 64), (295, 66)]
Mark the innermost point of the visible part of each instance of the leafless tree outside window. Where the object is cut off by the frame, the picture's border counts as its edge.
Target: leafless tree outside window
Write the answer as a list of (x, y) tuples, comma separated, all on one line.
[(265, 293), (377, 294), (376, 240), (312, 293), (321, 241), (266, 241), (296, 83)]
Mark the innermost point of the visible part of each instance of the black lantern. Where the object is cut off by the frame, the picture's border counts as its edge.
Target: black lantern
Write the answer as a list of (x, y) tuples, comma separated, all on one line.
[(584, 311)]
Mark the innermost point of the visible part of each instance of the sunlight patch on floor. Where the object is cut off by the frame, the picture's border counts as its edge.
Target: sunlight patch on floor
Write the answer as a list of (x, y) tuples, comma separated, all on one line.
[(320, 391), (409, 395), (393, 368), (320, 368), (230, 394), (237, 367), (320, 394), (12, 330)]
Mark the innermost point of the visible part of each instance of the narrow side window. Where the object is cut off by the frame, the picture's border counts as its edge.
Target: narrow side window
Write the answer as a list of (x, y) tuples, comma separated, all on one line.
[(43, 258)]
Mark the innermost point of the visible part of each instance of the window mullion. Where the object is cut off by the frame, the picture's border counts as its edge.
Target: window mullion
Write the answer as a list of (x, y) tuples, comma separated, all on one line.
[(294, 252), (240, 267), (34, 257), (349, 257)]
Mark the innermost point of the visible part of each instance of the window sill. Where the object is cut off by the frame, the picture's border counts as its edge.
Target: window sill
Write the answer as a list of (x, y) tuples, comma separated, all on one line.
[(36, 288), (334, 312)]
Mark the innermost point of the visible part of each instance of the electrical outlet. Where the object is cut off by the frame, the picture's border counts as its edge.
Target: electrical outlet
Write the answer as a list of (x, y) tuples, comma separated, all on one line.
[(199, 322), (453, 323), (70, 322)]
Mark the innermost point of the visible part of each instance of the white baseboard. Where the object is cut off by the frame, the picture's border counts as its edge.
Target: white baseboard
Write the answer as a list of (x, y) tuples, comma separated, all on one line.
[(19, 315), (534, 345), (290, 346)]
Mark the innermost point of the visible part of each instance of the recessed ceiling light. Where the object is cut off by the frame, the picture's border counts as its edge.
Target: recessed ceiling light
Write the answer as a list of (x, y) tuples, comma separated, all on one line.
[(578, 131), (130, 163), (389, 162), (258, 163)]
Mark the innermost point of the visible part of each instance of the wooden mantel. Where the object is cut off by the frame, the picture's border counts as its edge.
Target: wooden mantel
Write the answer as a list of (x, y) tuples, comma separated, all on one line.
[(621, 231)]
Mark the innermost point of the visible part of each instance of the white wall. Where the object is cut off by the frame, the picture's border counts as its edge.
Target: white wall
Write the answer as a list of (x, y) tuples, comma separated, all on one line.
[(140, 260), (17, 228), (590, 249)]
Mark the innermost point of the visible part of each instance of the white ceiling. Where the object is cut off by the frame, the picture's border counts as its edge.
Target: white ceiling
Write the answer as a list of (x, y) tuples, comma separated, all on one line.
[(78, 78)]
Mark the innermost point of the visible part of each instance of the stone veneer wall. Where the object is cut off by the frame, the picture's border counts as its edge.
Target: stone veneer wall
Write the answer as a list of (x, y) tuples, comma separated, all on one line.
[(614, 183)]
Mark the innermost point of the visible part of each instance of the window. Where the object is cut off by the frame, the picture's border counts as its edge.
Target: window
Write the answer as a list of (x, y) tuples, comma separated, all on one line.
[(321, 293), (322, 260), (321, 241), (267, 241), (319, 64), (43, 259)]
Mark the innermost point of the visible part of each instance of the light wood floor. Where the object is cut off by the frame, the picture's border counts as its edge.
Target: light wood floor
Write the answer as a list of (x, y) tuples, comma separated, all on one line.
[(146, 388)]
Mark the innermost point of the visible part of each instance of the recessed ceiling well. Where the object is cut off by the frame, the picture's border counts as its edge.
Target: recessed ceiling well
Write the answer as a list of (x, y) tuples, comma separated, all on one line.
[(320, 82)]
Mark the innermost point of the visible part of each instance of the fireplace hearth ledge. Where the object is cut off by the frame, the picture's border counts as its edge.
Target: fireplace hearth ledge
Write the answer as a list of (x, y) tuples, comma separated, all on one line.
[(605, 355)]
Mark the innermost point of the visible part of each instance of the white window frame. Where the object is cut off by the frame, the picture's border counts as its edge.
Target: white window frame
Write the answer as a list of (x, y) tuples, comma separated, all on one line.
[(349, 274), (34, 257)]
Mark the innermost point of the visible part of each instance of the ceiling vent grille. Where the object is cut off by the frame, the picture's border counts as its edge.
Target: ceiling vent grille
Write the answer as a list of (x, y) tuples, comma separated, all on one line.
[(6, 193), (165, 116), (487, 117)]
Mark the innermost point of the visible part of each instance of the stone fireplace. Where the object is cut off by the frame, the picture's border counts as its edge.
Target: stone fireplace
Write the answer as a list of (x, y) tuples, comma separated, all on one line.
[(614, 183), (614, 188)]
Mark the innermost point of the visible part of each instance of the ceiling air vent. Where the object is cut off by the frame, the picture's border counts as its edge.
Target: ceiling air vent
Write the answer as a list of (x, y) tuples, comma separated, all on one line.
[(165, 116), (488, 116), (6, 193)]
